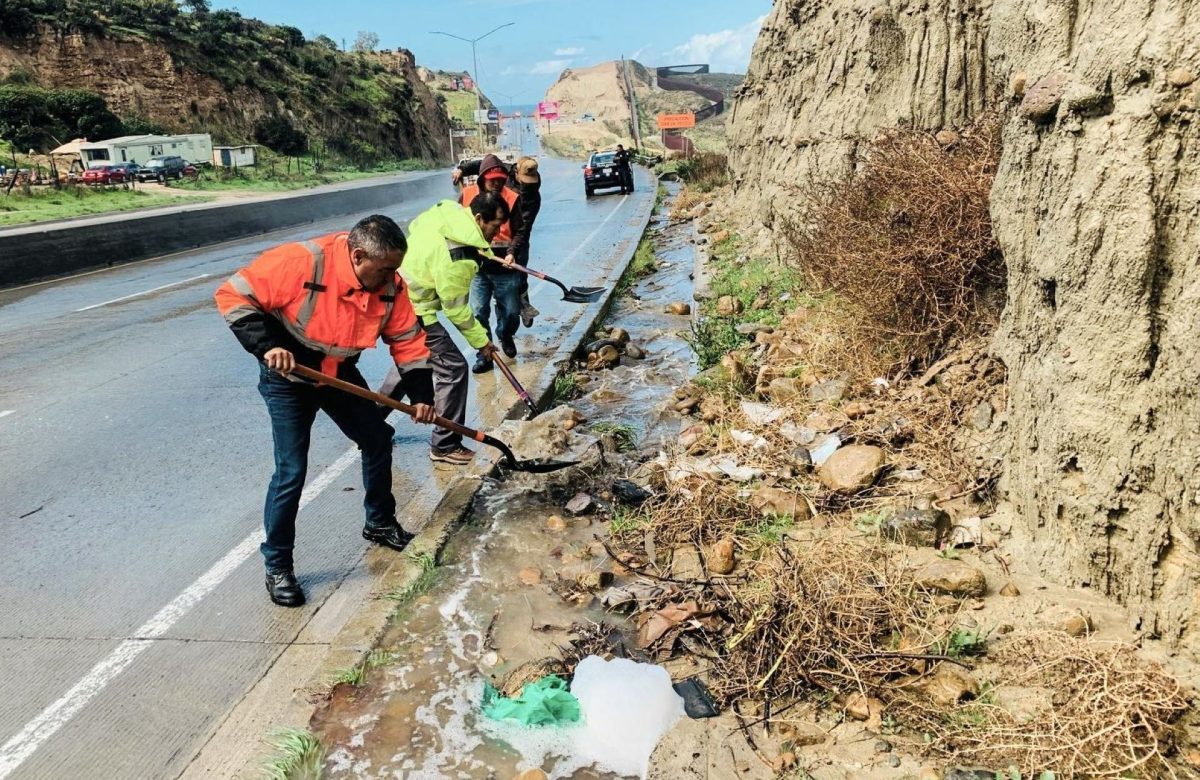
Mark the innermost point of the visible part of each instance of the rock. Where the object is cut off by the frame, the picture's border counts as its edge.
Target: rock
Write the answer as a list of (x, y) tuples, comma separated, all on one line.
[(556, 523), (981, 417), (785, 389), (608, 354), (952, 578), (767, 337), (761, 302), (595, 580), (1041, 102), (728, 306), (1017, 85), (771, 500), (687, 405), (967, 532), (801, 458), (600, 344), (720, 236), (950, 684), (619, 335), (569, 424), (752, 329), (1010, 589), (679, 307), (532, 774), (856, 409), (1074, 622), (711, 409), (635, 352), (822, 449), (630, 493), (1180, 77), (946, 137), (721, 557), (800, 434), (581, 504), (807, 734), (959, 773), (883, 746), (686, 563), (830, 390), (735, 369), (762, 414), (530, 576), (862, 707), (690, 435), (917, 527), (851, 469), (894, 761)]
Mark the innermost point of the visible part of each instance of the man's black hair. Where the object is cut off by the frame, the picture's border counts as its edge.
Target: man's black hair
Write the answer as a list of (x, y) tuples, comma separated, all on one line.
[(491, 206), (377, 235)]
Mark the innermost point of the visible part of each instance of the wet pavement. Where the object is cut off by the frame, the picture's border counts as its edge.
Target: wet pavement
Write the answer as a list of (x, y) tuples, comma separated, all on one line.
[(135, 452), (418, 713)]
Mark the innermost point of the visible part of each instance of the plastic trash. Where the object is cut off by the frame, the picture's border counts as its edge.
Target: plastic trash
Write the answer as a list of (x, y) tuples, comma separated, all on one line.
[(543, 702)]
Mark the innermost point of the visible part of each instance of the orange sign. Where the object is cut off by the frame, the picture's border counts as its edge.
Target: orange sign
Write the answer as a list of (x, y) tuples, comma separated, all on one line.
[(676, 121)]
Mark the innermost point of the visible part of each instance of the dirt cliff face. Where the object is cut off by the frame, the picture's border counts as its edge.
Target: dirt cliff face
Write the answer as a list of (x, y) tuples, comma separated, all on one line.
[(1097, 207), (140, 78)]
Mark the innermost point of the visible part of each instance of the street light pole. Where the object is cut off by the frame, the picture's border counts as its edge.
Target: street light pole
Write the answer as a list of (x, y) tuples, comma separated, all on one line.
[(475, 65)]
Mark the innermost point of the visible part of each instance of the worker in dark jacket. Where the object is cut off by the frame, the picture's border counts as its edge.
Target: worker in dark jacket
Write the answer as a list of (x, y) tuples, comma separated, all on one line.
[(622, 160), (319, 304), (528, 183)]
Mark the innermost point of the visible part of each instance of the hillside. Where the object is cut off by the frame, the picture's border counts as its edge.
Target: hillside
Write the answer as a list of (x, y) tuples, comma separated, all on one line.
[(460, 104), (158, 66)]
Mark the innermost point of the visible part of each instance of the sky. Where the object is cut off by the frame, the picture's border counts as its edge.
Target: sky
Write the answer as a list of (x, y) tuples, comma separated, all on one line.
[(518, 63)]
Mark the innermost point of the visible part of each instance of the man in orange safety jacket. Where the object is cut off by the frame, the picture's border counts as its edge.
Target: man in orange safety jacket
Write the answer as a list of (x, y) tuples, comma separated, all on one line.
[(320, 303)]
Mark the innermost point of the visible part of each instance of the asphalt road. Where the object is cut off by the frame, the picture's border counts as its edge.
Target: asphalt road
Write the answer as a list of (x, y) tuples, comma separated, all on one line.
[(135, 452)]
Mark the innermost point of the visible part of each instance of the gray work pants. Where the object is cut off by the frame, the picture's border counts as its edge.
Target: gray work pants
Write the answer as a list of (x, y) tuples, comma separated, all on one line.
[(449, 385)]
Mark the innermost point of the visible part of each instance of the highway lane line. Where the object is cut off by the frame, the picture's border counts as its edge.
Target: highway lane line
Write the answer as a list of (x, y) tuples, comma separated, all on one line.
[(15, 751), (7, 412), (145, 292), (540, 283)]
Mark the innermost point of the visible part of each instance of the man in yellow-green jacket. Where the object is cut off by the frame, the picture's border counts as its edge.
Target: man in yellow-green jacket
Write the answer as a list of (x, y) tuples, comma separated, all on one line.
[(446, 245)]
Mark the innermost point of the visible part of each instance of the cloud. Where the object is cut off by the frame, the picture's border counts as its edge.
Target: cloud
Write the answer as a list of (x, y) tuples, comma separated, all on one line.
[(724, 51), (549, 67), (571, 51)]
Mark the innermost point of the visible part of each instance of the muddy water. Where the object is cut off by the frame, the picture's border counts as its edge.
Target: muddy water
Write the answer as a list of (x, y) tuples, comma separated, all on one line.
[(418, 714)]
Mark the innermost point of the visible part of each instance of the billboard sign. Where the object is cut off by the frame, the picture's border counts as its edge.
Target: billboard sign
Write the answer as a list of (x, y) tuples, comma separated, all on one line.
[(548, 109), (493, 115), (676, 121)]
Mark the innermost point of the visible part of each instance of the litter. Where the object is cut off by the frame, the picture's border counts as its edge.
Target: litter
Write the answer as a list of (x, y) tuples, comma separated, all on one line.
[(544, 702)]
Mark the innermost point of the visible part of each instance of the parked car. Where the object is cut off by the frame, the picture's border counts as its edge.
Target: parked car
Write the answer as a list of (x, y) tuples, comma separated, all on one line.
[(104, 174), (191, 171), (601, 172), (162, 168), (131, 169)]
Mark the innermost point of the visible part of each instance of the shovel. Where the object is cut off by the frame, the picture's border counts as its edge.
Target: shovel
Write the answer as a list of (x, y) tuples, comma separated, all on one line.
[(572, 294), (536, 466), (516, 385)]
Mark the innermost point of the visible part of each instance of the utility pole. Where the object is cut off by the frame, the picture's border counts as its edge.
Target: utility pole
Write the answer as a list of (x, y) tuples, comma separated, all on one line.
[(637, 122), (475, 73)]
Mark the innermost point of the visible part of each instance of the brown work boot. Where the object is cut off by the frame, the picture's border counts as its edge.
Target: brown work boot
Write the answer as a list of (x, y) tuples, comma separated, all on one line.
[(459, 456)]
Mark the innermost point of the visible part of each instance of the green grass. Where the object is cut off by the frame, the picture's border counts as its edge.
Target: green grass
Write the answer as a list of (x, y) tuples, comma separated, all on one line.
[(643, 264), (623, 434), (275, 174), (712, 338), (428, 570), (748, 278), (627, 521), (299, 755), (566, 388), (461, 105), (769, 529), (965, 642), (45, 204), (659, 198), (357, 675)]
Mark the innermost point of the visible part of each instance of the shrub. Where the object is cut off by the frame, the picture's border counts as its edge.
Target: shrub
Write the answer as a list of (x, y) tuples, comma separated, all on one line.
[(705, 171), (278, 134), (906, 241)]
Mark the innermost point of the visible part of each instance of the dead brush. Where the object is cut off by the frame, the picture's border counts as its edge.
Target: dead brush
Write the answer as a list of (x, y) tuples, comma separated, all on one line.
[(906, 241), (828, 614), (1111, 714)]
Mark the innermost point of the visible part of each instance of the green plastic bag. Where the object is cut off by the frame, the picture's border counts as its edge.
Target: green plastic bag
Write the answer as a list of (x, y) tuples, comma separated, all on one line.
[(544, 702)]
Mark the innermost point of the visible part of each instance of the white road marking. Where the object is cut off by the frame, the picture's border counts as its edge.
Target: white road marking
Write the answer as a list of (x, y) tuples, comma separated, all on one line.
[(144, 292), (539, 283), (58, 714), (7, 412)]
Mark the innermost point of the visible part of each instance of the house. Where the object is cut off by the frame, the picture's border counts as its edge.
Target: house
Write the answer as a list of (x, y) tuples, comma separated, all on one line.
[(235, 156), (196, 148)]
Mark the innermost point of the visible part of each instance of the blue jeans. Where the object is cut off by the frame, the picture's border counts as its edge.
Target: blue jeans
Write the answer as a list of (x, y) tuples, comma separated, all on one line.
[(293, 407), (505, 287)]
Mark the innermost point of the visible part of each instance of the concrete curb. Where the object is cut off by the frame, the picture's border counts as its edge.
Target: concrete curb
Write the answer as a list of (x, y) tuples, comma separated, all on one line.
[(362, 633)]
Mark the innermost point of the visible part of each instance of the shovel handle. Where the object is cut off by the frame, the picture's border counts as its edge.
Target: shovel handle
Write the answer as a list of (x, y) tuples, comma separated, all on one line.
[(524, 270), (380, 398), (522, 393)]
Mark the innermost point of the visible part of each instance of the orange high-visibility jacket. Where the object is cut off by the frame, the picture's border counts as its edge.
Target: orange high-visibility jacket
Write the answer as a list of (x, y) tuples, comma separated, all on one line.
[(505, 235), (306, 298)]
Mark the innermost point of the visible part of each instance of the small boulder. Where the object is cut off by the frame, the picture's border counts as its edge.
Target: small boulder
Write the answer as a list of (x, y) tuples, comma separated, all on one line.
[(785, 388), (950, 684), (608, 354), (595, 580), (719, 236), (856, 409), (1010, 590), (952, 578), (619, 335), (981, 418), (690, 435), (1074, 622), (1040, 103), (1180, 77), (679, 307), (634, 352), (721, 557), (556, 523), (771, 500), (829, 390), (917, 527), (686, 563), (807, 734), (530, 575), (728, 306), (735, 369), (752, 329), (862, 707), (852, 468), (946, 137), (581, 504), (1018, 83)]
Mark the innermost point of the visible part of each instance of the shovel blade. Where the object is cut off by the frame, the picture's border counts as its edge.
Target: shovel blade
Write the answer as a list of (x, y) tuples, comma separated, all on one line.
[(583, 294), (539, 466)]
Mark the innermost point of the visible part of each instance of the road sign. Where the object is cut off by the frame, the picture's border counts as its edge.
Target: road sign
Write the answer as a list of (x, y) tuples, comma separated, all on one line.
[(548, 109), (493, 115), (676, 121)]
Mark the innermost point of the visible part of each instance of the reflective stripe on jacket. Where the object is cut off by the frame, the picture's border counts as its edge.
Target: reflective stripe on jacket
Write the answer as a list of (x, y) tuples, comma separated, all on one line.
[(307, 295), (443, 244)]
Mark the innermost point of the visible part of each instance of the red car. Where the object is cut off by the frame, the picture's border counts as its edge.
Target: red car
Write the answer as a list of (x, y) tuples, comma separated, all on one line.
[(104, 174)]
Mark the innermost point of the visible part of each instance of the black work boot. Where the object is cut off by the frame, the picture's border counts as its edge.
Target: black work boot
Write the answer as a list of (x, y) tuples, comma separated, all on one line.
[(509, 346), (388, 535), (482, 364), (284, 590)]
